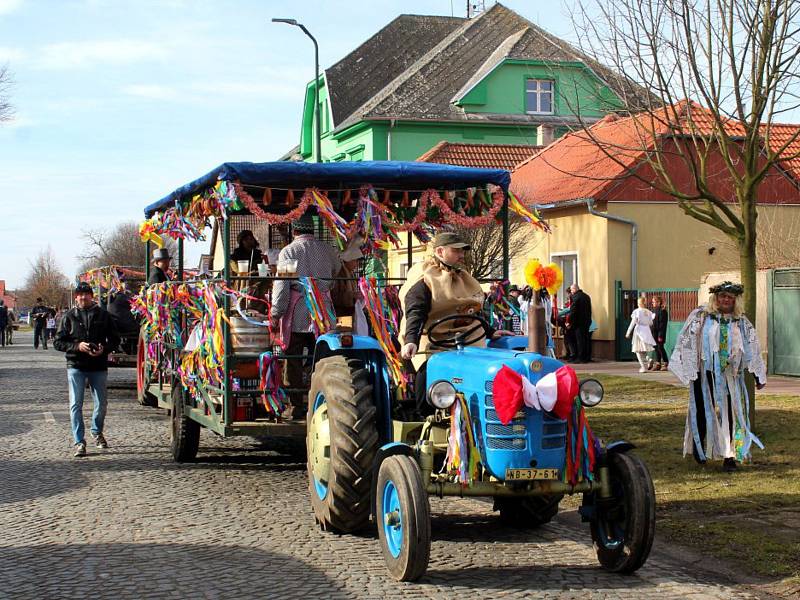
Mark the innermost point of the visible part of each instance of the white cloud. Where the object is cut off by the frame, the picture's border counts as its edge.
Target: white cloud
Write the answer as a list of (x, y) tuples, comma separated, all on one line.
[(76, 55), (9, 6), (151, 91), (10, 54)]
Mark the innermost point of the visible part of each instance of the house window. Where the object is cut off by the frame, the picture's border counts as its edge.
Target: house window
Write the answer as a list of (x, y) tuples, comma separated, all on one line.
[(569, 267), (539, 96)]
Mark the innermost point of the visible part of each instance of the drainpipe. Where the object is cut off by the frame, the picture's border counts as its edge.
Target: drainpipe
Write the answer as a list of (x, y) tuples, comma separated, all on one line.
[(634, 234), (389, 140), (589, 202)]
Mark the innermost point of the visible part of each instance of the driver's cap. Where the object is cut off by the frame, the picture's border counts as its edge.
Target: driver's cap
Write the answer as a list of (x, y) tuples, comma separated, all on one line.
[(450, 239)]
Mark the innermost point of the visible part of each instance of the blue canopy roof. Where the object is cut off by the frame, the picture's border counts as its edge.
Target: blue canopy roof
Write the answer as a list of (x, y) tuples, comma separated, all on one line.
[(344, 175)]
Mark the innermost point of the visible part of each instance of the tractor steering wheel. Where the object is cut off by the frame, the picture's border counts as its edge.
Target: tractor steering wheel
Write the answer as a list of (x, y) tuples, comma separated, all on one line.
[(460, 338)]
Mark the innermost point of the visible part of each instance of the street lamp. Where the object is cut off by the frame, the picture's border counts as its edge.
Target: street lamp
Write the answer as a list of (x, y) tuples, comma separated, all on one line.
[(316, 80)]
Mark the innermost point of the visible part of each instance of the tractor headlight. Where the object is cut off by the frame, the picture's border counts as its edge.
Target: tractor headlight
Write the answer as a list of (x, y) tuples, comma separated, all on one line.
[(591, 392), (441, 394)]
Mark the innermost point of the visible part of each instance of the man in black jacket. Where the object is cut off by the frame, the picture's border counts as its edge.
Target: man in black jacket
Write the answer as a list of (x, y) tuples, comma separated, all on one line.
[(39, 314), (161, 262), (580, 320), (86, 334)]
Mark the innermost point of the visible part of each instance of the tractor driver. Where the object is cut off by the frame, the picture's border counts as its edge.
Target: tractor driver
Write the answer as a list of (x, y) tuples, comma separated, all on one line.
[(435, 288)]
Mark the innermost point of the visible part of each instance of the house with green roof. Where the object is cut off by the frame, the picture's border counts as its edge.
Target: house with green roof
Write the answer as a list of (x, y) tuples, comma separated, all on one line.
[(496, 78)]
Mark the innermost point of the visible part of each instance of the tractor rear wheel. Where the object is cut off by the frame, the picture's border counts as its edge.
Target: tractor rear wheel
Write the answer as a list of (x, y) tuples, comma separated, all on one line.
[(185, 433), (623, 526), (403, 515), (143, 377), (342, 440), (527, 513)]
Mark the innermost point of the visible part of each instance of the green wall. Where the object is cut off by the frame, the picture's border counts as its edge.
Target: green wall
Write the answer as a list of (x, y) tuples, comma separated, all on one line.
[(577, 89), (502, 92)]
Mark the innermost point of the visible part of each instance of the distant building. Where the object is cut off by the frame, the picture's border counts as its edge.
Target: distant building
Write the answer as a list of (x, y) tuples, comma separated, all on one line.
[(496, 78), (9, 299)]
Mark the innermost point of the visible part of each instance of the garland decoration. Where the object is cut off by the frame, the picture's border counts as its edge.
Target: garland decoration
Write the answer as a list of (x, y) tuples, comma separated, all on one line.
[(336, 224), (582, 446), (322, 316), (384, 327), (161, 307), (273, 219), (148, 231), (462, 455), (461, 220), (373, 223), (110, 278), (528, 214), (272, 394), (497, 306)]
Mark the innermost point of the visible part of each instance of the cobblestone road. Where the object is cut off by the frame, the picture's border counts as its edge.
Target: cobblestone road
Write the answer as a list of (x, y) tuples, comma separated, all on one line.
[(128, 523)]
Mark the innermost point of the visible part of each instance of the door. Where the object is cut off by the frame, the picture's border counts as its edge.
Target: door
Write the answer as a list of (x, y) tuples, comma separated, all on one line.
[(784, 357)]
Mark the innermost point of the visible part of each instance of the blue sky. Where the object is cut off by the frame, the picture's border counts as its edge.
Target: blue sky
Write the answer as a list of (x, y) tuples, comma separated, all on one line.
[(120, 101)]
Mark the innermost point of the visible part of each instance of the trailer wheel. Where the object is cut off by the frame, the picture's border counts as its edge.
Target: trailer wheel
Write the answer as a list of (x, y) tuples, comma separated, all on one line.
[(185, 438), (623, 528), (404, 518), (143, 377), (342, 439), (527, 513)]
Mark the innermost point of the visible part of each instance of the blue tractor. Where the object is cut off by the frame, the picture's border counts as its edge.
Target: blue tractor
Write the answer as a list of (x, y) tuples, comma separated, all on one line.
[(363, 464)]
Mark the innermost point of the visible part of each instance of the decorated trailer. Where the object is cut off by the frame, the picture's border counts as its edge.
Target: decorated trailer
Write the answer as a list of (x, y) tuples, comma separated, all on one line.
[(207, 351)]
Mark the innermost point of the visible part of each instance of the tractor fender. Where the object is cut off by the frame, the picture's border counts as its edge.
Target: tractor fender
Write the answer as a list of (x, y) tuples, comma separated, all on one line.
[(619, 447), (384, 452)]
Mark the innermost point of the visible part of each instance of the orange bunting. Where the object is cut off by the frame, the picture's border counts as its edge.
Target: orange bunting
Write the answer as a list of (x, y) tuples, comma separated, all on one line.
[(290, 198), (266, 197)]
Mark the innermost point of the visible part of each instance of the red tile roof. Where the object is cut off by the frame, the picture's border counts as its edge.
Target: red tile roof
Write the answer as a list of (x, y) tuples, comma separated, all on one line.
[(493, 156), (596, 162)]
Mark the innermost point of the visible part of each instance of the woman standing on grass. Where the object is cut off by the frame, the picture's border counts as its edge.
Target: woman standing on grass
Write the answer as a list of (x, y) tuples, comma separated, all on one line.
[(642, 341), (717, 344)]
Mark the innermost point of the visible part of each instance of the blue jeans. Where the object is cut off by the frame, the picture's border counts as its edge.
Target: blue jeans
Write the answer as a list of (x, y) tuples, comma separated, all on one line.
[(77, 384)]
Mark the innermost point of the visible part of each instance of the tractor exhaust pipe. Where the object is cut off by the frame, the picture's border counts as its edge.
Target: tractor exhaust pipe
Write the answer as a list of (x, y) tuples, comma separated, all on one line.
[(537, 336)]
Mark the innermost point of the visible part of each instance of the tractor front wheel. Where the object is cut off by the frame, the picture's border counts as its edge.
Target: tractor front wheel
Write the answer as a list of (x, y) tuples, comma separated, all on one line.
[(341, 442), (185, 433), (623, 526), (404, 518), (527, 513)]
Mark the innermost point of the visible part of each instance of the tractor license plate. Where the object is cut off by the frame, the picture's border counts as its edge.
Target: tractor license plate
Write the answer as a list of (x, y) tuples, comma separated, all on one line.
[(530, 474)]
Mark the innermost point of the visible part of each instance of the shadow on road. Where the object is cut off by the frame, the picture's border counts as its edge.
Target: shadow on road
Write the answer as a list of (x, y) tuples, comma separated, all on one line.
[(158, 570)]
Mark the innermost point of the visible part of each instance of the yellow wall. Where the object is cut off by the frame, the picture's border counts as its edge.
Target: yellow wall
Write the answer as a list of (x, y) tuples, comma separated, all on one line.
[(575, 231), (673, 248)]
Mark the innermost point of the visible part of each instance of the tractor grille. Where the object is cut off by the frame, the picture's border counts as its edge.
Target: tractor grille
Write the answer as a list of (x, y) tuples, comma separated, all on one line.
[(513, 428), (554, 432), (489, 386), (513, 434), (507, 443)]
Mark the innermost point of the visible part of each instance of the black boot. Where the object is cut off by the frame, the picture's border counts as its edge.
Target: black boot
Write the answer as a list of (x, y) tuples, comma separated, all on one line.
[(729, 465)]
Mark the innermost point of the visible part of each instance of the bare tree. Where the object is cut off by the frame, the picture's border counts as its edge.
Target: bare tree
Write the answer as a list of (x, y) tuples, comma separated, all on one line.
[(6, 109), (723, 71), (740, 61), (45, 280), (485, 259), (119, 246)]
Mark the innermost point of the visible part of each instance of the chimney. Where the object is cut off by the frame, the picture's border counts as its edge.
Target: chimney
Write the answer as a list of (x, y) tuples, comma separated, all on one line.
[(544, 135)]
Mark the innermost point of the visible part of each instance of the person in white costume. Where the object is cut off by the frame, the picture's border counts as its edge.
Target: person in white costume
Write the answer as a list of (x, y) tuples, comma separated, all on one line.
[(642, 341), (717, 344)]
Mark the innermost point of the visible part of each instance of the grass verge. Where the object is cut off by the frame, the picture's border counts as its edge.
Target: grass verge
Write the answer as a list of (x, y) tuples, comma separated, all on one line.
[(751, 517)]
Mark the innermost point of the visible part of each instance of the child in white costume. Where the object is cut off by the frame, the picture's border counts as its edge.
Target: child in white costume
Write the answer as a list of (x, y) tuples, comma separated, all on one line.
[(642, 341)]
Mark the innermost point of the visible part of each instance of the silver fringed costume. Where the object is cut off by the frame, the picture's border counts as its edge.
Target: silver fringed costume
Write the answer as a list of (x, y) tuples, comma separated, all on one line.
[(720, 348)]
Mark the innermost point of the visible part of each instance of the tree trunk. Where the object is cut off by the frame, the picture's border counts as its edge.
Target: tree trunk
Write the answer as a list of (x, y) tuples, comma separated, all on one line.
[(747, 267)]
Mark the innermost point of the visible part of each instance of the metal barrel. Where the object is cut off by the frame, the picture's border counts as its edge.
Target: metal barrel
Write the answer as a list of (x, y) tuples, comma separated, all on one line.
[(246, 337)]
